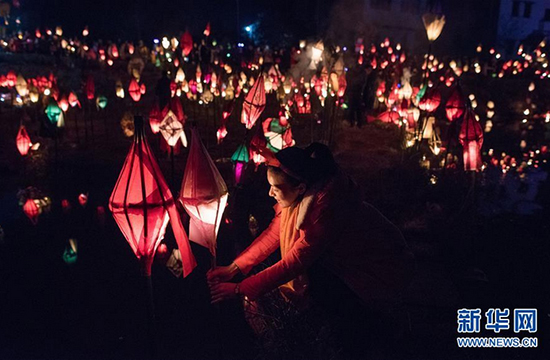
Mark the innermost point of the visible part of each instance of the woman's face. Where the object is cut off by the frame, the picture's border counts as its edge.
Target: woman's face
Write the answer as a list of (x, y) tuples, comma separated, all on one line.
[(285, 193)]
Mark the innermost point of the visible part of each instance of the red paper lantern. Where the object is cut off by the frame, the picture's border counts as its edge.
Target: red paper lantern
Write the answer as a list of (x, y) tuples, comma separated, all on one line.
[(65, 205), (471, 138), (186, 43), (207, 30), (142, 205), (11, 78), (90, 88), (155, 119), (455, 105), (31, 210), (134, 90), (430, 102), (23, 141), (73, 100), (389, 116), (254, 103), (63, 103), (83, 199)]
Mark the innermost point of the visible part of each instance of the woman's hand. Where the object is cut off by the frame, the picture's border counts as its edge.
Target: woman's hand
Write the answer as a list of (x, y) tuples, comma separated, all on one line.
[(222, 291), (221, 274)]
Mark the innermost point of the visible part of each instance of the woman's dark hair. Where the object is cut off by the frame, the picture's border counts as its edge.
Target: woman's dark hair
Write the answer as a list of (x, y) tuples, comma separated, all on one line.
[(322, 160), (297, 165), (305, 166)]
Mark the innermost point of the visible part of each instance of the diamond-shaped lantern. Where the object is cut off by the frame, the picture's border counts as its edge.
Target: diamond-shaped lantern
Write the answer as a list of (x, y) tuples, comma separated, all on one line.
[(203, 195), (254, 103), (142, 205), (172, 129)]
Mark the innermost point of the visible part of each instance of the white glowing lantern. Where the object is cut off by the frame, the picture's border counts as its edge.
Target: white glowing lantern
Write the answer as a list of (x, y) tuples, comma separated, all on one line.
[(165, 43), (21, 86), (119, 89), (488, 126), (406, 91), (174, 42), (180, 76), (433, 24), (317, 53), (429, 128), (532, 86), (203, 195), (172, 130)]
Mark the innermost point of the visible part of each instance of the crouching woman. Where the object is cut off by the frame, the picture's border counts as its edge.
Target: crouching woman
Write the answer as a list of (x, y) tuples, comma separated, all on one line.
[(337, 252)]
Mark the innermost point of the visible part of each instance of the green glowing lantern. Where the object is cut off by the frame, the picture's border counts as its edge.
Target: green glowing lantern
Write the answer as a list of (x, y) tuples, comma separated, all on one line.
[(240, 158), (53, 112), (101, 102), (241, 154), (69, 255)]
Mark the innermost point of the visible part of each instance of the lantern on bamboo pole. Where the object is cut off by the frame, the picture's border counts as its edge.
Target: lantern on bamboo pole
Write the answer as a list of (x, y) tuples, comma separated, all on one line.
[(254, 103), (433, 23), (142, 206), (23, 141), (186, 43), (456, 105), (240, 158), (135, 90), (471, 138), (30, 208), (90, 88), (203, 195)]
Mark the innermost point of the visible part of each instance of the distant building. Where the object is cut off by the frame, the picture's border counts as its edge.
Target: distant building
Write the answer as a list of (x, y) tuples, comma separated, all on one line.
[(520, 20)]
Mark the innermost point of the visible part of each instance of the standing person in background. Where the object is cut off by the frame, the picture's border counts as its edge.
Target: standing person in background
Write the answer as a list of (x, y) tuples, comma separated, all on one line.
[(357, 81), (163, 91)]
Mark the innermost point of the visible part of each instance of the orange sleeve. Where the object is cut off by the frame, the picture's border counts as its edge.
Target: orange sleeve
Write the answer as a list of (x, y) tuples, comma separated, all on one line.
[(306, 250), (262, 247)]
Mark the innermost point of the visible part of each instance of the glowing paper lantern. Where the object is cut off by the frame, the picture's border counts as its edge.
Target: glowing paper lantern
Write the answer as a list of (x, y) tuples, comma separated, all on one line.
[(70, 253), (21, 86), (90, 88), (11, 78), (73, 100), (456, 105), (23, 141), (203, 195), (471, 138), (119, 89), (430, 102), (31, 210), (63, 103), (142, 205), (101, 102), (390, 116), (206, 31), (172, 130), (155, 119), (240, 158), (186, 43), (254, 103), (433, 23), (53, 112), (134, 90), (180, 76)]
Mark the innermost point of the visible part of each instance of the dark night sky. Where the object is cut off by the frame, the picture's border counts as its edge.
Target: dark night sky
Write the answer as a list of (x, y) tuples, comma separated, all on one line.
[(112, 18)]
